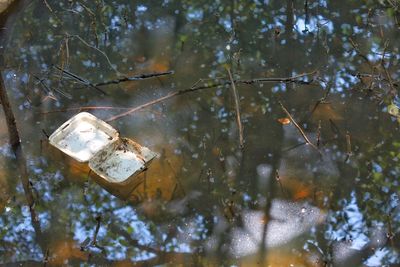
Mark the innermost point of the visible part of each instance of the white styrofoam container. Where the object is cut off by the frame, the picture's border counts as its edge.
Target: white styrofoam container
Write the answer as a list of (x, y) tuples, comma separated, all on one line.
[(82, 136), (120, 160), (89, 139)]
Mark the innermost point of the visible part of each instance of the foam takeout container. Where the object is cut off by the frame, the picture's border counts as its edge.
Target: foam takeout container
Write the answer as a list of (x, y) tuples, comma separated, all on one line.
[(86, 138), (120, 160), (82, 136)]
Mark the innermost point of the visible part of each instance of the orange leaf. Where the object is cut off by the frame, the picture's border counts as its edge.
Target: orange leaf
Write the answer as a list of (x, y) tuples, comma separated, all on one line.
[(283, 121)]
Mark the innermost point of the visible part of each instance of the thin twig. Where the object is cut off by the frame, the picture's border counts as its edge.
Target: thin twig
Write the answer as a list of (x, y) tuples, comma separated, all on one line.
[(46, 258), (204, 80), (158, 100), (93, 23), (384, 52), (80, 109), (278, 179), (48, 6), (67, 51), (293, 79), (319, 133), (355, 46), (321, 100), (94, 241), (237, 109), (134, 78), (294, 147), (388, 76), (306, 16), (98, 50), (50, 91), (79, 79), (115, 228), (64, 58), (298, 127), (348, 147), (390, 234), (334, 128)]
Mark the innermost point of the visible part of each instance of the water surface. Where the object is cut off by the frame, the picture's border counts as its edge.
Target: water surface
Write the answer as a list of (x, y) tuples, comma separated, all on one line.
[(207, 201)]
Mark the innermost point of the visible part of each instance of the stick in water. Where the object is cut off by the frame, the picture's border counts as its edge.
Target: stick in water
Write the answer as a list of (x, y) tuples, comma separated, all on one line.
[(237, 109), (294, 79), (303, 134)]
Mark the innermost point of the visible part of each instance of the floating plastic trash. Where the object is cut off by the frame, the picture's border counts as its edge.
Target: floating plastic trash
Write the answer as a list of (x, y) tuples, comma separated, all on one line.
[(82, 136), (120, 160), (88, 139)]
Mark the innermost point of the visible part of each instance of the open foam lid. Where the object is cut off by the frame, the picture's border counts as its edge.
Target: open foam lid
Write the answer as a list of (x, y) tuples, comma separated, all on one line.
[(82, 136)]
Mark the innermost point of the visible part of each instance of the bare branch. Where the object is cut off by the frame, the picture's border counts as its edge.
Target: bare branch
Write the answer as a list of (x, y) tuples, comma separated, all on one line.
[(79, 79), (294, 79), (135, 78)]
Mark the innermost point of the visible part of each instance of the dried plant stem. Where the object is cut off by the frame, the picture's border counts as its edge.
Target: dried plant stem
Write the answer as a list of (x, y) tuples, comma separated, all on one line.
[(348, 147), (359, 53), (134, 78), (319, 133), (98, 220), (293, 79), (278, 179), (237, 109), (80, 109), (303, 134), (116, 81), (48, 6), (112, 66), (132, 110), (79, 79), (387, 74)]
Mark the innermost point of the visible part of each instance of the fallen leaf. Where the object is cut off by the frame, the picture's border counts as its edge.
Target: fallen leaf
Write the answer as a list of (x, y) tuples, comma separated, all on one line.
[(283, 121)]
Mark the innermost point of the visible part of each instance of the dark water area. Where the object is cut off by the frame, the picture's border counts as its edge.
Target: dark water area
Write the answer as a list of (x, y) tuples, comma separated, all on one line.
[(315, 183)]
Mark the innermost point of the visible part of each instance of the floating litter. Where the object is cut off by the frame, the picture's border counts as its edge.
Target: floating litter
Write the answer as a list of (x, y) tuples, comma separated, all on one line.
[(82, 136), (89, 139), (120, 160)]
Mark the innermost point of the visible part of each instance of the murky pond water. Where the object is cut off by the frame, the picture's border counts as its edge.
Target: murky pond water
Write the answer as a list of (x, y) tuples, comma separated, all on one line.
[(315, 182)]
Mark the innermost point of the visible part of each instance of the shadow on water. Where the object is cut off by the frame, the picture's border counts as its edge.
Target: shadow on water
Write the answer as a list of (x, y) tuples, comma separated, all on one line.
[(312, 87)]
